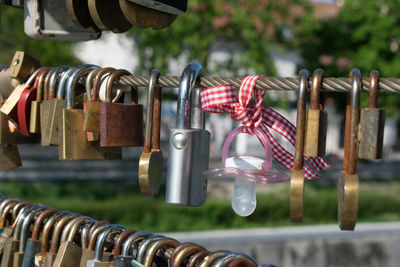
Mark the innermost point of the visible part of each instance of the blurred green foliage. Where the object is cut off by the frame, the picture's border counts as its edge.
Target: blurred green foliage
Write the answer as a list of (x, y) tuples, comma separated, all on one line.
[(123, 204), (12, 38), (365, 35)]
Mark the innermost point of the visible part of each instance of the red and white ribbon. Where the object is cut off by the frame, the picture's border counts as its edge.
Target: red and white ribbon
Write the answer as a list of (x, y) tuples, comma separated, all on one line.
[(222, 98)]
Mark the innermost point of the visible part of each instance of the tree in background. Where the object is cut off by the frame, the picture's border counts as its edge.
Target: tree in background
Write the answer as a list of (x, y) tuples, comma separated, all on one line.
[(12, 38), (246, 30), (365, 35)]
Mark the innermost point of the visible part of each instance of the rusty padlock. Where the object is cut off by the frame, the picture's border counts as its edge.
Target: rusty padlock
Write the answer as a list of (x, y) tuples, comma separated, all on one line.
[(151, 160), (348, 181), (297, 179), (91, 120), (372, 123), (121, 124), (317, 119)]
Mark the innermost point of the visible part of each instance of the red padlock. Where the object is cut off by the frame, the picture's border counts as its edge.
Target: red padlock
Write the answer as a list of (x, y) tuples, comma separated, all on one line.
[(24, 106)]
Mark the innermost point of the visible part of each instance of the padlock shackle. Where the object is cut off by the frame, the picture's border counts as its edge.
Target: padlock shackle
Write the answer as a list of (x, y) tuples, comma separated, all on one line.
[(67, 228), (315, 95), (17, 208), (355, 77), (133, 238), (301, 121), (72, 81), (97, 83), (192, 72), (40, 85), (34, 75), (120, 240), (63, 79), (101, 240), (89, 83), (142, 250), (115, 75), (39, 222), (44, 242), (93, 237), (75, 227), (182, 252), (56, 236), (156, 246), (25, 227), (152, 130), (229, 257), (7, 211), (20, 219), (55, 74), (85, 233), (373, 89), (261, 137)]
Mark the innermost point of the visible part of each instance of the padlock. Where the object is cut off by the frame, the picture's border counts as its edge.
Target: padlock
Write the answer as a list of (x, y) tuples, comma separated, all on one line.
[(9, 108), (91, 121), (55, 240), (33, 244), (143, 17), (24, 105), (317, 119), (69, 253), (23, 66), (151, 160), (297, 179), (73, 144), (173, 7), (88, 253), (51, 20), (51, 108), (107, 16), (130, 248), (372, 123), (9, 157), (232, 256), (154, 248), (6, 229), (28, 221), (120, 124), (348, 184), (34, 126), (98, 259), (12, 243), (189, 145), (46, 236), (182, 252)]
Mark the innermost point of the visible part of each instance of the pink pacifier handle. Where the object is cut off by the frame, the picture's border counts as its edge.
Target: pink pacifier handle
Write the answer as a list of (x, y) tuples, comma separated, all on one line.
[(261, 136)]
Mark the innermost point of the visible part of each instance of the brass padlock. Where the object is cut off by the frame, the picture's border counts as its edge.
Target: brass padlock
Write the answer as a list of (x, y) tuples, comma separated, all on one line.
[(144, 17), (69, 253), (372, 123), (9, 157), (151, 160), (73, 144), (91, 121), (55, 240), (317, 119), (51, 107), (120, 124), (297, 179), (348, 181), (34, 126), (23, 66)]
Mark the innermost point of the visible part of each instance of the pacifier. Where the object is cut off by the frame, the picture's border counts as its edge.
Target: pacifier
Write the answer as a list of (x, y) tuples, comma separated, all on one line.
[(247, 171)]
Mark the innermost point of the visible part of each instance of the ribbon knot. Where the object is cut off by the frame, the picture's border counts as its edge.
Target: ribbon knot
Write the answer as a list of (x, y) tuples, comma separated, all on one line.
[(223, 99)]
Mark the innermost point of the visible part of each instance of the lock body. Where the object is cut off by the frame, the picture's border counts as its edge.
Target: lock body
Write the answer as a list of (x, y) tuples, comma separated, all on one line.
[(316, 129), (188, 159), (371, 133)]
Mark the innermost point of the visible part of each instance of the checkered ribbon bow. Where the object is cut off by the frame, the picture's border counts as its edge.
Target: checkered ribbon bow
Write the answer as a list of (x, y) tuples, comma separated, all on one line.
[(222, 98)]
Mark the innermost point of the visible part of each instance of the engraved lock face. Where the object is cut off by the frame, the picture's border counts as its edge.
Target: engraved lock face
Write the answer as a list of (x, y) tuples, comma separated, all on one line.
[(189, 146)]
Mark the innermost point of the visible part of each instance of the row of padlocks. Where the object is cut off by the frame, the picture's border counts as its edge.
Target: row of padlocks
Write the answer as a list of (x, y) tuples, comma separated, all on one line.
[(87, 112), (36, 235)]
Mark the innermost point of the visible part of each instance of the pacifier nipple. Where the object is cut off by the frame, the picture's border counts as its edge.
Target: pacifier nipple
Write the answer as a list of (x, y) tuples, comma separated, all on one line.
[(244, 194)]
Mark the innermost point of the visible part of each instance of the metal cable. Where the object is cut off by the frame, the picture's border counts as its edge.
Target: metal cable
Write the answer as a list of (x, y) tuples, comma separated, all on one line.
[(388, 85)]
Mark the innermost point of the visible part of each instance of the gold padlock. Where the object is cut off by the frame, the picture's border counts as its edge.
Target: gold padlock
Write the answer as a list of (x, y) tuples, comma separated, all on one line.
[(348, 181), (34, 126), (317, 119), (297, 179), (151, 160), (23, 66)]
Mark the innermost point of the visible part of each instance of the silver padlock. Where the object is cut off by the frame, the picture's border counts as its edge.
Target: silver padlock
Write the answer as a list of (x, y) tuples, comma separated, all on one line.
[(189, 145)]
